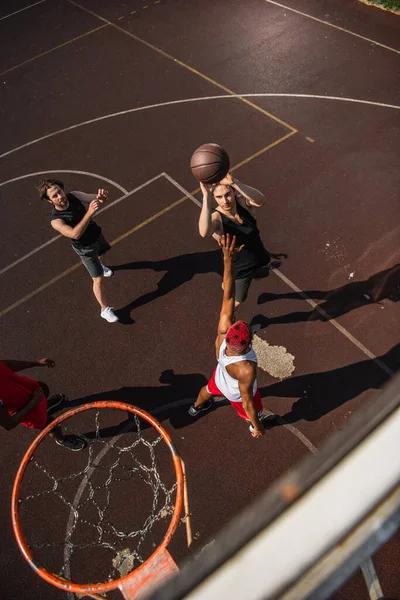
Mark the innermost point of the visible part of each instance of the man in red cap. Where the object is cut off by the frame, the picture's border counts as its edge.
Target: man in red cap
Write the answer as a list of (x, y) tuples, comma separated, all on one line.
[(235, 375)]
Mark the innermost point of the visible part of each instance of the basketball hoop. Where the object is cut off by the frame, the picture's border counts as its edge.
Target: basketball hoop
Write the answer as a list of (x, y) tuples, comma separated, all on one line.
[(159, 565)]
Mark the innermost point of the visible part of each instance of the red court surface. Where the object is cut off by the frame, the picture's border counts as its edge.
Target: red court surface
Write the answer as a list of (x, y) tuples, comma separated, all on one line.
[(305, 98)]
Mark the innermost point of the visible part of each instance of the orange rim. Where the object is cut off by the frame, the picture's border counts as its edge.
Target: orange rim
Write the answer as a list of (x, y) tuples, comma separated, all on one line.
[(97, 588)]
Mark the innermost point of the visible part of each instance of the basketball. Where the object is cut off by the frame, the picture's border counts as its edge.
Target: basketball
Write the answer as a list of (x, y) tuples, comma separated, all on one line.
[(209, 163)]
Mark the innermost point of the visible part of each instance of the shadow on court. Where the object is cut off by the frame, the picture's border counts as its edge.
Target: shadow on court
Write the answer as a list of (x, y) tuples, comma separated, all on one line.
[(182, 389), (179, 270), (320, 393), (335, 303)]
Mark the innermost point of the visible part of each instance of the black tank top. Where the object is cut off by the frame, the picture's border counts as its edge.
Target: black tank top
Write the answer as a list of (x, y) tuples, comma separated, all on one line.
[(74, 215), (253, 255)]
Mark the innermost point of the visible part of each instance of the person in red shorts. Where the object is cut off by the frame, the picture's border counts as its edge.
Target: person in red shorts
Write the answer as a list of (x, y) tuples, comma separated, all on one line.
[(24, 401), (235, 375)]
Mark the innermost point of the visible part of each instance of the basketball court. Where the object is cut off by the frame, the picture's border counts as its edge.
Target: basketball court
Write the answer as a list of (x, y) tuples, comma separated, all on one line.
[(304, 98)]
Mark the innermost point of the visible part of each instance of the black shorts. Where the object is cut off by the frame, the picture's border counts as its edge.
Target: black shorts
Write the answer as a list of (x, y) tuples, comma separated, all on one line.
[(242, 284), (89, 255)]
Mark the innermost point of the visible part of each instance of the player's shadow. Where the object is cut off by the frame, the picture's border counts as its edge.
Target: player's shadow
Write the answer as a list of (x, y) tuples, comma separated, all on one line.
[(317, 394), (179, 270), (177, 393), (337, 302)]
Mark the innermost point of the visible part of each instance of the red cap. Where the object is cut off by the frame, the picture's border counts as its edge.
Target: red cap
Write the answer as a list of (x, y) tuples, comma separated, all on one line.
[(238, 336)]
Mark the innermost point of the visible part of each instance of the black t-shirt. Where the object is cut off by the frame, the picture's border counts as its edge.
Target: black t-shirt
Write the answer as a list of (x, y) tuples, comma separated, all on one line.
[(253, 255), (74, 215)]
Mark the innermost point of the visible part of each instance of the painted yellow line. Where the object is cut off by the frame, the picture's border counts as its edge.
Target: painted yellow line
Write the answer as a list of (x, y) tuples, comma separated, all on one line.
[(136, 228), (259, 152), (188, 67), (52, 49), (149, 220), (310, 139)]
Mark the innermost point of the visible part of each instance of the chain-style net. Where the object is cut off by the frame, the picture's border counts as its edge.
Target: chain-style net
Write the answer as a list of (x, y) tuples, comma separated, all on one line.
[(116, 507)]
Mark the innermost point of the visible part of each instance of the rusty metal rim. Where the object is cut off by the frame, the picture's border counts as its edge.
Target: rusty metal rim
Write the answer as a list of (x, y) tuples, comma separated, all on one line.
[(99, 588)]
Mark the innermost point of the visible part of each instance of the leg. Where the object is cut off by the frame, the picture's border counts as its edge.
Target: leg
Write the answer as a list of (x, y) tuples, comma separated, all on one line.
[(72, 442), (98, 291), (203, 397), (241, 290)]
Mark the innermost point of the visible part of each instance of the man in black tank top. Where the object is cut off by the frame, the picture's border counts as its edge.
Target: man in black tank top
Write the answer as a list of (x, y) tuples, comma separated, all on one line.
[(233, 215), (70, 218)]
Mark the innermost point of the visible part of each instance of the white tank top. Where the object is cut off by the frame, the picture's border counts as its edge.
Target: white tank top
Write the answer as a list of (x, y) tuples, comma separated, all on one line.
[(228, 385)]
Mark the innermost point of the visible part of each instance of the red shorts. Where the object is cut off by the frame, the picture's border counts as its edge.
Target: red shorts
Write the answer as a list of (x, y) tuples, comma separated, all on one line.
[(238, 406), (37, 417)]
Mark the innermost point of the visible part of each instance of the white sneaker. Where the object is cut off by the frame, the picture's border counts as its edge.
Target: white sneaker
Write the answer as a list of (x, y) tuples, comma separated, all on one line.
[(107, 272), (109, 315)]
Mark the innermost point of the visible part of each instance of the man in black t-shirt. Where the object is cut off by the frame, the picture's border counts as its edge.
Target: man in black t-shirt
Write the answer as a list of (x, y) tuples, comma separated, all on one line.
[(70, 218)]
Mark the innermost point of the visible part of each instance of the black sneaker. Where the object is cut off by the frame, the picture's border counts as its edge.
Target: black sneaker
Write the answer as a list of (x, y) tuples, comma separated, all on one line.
[(54, 401), (193, 411), (264, 419), (72, 442)]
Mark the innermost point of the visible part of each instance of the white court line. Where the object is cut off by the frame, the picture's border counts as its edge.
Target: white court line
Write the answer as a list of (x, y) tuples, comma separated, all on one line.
[(110, 181), (188, 100), (57, 237), (334, 26), (333, 322), (21, 9), (294, 287), (181, 189)]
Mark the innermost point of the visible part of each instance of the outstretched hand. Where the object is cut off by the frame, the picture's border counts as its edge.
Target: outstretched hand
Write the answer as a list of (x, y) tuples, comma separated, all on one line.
[(227, 180), (102, 195), (228, 246)]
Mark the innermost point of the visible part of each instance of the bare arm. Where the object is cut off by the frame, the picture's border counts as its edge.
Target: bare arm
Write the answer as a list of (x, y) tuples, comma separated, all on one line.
[(252, 196), (227, 316), (76, 232), (246, 381), (10, 421), (208, 223), (20, 365)]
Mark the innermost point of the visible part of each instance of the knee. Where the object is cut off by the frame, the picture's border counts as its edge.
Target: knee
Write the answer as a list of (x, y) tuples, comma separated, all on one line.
[(97, 281)]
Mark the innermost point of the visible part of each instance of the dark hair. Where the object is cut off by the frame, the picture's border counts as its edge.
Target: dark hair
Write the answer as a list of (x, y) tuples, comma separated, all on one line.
[(44, 184)]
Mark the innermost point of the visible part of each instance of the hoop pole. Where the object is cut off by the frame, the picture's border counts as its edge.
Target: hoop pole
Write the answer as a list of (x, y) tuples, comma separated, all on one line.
[(188, 521), (93, 588)]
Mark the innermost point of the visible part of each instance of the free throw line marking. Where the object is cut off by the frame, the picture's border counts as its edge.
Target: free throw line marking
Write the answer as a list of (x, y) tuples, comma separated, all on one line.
[(21, 10), (334, 26), (185, 66), (188, 100), (51, 50)]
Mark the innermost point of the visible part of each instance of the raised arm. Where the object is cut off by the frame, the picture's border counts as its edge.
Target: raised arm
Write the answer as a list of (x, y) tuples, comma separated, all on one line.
[(76, 232), (208, 223), (252, 196), (101, 196), (227, 316)]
